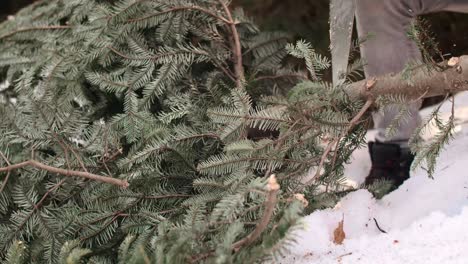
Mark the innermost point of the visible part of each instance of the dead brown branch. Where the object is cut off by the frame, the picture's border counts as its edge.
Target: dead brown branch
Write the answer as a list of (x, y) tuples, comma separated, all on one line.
[(70, 173)]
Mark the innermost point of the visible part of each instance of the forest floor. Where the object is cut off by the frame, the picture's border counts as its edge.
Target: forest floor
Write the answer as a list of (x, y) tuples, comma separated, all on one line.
[(425, 220)]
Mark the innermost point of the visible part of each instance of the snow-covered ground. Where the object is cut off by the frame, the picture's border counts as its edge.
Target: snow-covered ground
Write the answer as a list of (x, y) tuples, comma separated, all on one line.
[(426, 220)]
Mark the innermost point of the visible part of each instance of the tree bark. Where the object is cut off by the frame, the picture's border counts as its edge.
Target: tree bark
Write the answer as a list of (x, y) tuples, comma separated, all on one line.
[(421, 83)]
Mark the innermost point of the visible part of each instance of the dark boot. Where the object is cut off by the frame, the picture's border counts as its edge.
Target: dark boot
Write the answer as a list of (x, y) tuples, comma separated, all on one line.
[(390, 162)]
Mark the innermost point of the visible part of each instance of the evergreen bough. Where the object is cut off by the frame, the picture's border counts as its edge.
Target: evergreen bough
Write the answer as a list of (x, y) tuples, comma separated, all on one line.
[(130, 133)]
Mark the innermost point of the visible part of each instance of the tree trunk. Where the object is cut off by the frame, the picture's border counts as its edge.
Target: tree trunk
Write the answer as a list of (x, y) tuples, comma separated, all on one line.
[(421, 83)]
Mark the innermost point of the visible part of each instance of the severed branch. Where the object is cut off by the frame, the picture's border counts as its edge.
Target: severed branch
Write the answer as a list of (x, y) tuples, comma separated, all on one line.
[(270, 203), (335, 142), (453, 78), (86, 175)]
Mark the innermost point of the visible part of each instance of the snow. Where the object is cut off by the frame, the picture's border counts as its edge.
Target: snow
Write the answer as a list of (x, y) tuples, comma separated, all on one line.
[(4, 85), (425, 219)]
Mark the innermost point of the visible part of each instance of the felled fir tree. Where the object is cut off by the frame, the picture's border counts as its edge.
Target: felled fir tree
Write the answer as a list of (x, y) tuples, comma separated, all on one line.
[(126, 134)]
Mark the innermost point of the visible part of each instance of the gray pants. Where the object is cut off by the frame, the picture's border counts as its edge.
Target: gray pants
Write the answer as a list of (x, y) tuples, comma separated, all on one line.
[(389, 49)]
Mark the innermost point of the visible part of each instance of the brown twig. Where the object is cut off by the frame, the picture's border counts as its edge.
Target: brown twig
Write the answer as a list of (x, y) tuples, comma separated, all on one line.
[(65, 147), (359, 115), (33, 29), (270, 203), (86, 175), (378, 227), (150, 197), (225, 70), (236, 46), (278, 145), (5, 181), (353, 123), (322, 160), (335, 142), (114, 216), (344, 255), (35, 208)]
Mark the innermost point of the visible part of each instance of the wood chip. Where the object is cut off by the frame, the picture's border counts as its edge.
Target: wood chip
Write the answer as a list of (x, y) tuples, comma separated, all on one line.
[(273, 183), (453, 61), (300, 197), (370, 83)]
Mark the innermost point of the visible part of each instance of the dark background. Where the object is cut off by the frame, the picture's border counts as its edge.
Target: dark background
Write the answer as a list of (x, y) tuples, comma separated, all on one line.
[(308, 19), (8, 7)]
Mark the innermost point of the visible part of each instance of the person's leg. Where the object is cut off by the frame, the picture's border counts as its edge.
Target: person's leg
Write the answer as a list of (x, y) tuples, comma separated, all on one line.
[(388, 51)]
